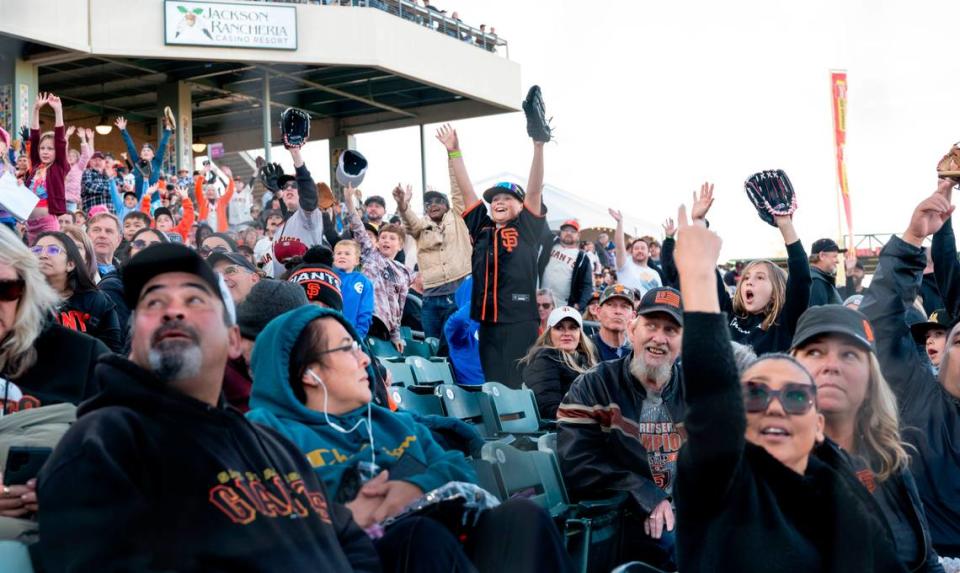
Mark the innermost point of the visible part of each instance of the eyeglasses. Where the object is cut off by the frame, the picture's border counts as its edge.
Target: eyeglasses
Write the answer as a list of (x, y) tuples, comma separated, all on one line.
[(231, 270), (545, 305), (289, 185), (207, 251), (796, 399), (434, 201), (50, 250), (11, 289), (141, 244), (353, 347)]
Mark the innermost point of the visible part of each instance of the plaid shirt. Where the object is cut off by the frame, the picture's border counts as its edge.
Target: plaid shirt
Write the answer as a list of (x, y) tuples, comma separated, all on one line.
[(95, 190)]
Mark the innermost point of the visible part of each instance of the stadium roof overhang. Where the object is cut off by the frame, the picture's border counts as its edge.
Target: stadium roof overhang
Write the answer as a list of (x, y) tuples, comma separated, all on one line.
[(354, 69)]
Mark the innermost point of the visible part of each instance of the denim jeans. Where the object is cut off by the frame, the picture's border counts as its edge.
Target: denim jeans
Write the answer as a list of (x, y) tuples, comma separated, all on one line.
[(434, 313)]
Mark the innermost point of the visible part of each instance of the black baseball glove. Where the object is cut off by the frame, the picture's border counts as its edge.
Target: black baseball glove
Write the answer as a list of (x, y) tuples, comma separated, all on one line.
[(295, 127), (538, 126), (772, 194), (269, 174)]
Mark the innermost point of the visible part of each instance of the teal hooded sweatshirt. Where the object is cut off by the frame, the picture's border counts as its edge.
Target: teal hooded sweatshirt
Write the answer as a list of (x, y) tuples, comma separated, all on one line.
[(332, 453)]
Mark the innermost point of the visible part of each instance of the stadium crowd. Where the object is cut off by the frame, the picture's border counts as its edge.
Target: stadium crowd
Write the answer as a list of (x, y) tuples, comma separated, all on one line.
[(211, 371)]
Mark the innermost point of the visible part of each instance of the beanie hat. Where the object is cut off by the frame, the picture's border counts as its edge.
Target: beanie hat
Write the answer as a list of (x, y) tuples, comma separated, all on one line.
[(321, 283), (267, 300)]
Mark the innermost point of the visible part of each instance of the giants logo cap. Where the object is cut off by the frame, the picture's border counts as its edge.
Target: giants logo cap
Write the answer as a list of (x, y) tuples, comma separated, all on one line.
[(664, 300), (833, 319)]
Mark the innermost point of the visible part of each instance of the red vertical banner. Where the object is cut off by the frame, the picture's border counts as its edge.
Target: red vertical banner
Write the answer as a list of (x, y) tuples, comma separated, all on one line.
[(838, 86)]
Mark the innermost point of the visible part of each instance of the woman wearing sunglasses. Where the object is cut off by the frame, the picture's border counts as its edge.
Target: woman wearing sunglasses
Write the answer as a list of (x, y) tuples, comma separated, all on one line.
[(311, 382), (144, 238), (835, 344), (555, 360), (750, 495), (217, 243), (84, 307)]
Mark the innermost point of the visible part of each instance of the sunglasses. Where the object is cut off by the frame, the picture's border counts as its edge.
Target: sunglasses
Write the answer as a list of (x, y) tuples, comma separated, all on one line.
[(50, 250), (289, 185), (545, 305), (141, 244), (796, 399), (434, 201), (11, 289), (207, 251)]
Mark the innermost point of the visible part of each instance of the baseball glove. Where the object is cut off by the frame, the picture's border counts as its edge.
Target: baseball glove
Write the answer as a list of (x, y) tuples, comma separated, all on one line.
[(949, 166), (295, 127), (772, 194), (538, 126), (269, 173)]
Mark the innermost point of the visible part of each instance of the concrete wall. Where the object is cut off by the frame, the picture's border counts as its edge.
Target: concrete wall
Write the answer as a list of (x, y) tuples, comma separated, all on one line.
[(326, 35)]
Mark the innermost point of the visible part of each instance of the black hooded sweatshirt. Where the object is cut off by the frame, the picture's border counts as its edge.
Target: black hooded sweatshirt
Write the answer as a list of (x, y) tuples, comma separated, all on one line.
[(149, 479)]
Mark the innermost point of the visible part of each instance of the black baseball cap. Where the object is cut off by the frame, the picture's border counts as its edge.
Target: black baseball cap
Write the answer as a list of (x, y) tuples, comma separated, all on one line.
[(431, 195), (504, 187), (163, 258), (834, 319), (826, 246), (662, 299), (938, 319), (618, 291), (232, 258), (284, 179), (375, 199)]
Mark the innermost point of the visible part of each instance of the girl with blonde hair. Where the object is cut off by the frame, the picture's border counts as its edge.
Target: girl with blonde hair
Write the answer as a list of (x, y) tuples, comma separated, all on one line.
[(835, 344)]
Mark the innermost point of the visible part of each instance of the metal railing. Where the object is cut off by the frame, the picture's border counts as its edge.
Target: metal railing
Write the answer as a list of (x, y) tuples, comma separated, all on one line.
[(427, 17)]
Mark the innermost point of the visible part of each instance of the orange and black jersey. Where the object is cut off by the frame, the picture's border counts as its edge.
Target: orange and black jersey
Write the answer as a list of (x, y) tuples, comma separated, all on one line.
[(504, 265)]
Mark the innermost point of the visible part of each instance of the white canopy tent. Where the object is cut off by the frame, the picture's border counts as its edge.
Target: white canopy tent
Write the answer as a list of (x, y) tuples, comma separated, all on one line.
[(563, 205)]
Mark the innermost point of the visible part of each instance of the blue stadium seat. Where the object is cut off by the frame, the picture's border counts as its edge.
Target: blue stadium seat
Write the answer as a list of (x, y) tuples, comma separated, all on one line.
[(417, 348), (431, 372), (413, 400), (381, 348)]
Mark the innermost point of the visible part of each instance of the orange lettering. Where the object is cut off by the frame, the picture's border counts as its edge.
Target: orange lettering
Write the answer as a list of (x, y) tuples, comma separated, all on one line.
[(232, 505)]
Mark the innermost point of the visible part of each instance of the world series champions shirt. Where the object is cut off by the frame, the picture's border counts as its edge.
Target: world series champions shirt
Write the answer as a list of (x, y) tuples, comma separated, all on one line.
[(504, 265)]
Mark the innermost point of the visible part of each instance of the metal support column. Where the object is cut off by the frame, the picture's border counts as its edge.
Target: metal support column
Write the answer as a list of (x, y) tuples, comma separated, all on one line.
[(423, 162), (266, 117)]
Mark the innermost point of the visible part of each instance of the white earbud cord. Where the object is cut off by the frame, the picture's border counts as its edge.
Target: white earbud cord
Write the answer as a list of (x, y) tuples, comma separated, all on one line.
[(337, 427)]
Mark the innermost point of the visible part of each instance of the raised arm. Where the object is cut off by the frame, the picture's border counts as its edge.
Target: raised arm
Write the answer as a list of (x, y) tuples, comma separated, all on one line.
[(618, 239), (534, 198), (121, 124), (457, 204), (411, 221), (367, 248), (943, 250), (448, 137), (306, 186), (715, 419)]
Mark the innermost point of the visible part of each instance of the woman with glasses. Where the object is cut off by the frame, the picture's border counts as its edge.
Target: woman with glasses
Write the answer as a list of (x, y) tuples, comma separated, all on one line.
[(311, 383), (555, 360), (835, 344), (216, 243), (144, 238), (750, 494), (83, 308)]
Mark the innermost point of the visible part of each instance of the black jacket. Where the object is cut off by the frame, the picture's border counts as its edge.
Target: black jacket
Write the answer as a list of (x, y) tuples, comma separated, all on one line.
[(929, 415), (777, 338), (598, 436), (930, 293), (946, 270), (549, 377), (739, 508), (92, 312), (672, 279), (63, 371), (823, 289), (112, 286), (168, 483), (581, 285)]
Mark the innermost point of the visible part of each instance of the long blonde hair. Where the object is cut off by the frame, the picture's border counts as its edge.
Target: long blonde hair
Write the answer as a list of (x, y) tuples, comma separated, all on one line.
[(778, 280), (17, 354), (585, 347)]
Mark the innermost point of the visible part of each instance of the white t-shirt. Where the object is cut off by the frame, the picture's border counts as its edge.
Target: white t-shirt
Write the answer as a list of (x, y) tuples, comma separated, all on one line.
[(639, 278), (594, 262), (559, 272)]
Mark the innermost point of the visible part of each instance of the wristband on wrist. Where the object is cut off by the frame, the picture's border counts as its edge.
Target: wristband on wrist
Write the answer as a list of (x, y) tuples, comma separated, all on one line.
[(454, 154)]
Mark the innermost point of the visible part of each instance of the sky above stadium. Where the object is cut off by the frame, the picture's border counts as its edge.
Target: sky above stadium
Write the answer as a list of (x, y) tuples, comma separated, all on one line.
[(652, 98)]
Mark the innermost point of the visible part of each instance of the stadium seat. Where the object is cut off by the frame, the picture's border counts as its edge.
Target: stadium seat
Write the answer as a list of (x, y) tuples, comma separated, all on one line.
[(513, 411), (380, 347), (532, 475), (15, 557), (431, 372), (464, 405), (417, 348), (487, 477), (402, 374), (637, 567), (423, 403)]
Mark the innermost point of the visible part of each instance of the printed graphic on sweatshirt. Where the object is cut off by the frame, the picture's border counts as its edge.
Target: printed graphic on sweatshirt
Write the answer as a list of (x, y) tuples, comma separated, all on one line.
[(74, 320), (245, 496), (322, 457)]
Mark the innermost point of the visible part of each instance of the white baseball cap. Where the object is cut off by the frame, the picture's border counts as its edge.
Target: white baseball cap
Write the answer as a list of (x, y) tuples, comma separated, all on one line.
[(558, 314)]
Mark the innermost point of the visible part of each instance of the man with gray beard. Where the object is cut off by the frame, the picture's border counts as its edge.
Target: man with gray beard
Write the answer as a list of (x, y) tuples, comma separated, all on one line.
[(620, 429), (160, 474)]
